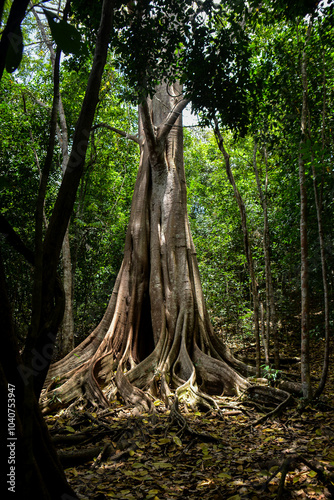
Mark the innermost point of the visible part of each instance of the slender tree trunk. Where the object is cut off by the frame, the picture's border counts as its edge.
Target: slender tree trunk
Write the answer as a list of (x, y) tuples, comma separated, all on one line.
[(65, 338), (318, 204), (247, 246), (270, 294), (305, 335), (264, 335)]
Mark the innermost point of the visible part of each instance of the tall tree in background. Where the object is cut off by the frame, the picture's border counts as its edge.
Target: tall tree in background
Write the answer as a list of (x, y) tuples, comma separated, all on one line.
[(304, 273), (271, 317), (247, 244)]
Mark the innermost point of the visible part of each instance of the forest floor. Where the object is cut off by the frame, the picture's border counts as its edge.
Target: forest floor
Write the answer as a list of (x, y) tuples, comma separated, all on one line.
[(221, 454)]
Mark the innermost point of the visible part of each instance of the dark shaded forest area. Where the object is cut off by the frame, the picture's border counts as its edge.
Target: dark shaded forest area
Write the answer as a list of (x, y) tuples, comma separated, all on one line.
[(166, 249)]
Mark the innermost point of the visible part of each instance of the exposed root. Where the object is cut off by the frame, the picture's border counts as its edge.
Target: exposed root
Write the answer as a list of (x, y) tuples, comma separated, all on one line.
[(273, 394), (189, 394), (132, 394), (177, 418), (288, 464), (74, 458)]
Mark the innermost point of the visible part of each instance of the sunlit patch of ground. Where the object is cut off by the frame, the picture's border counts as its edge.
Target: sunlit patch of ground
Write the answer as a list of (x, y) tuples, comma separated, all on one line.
[(152, 457)]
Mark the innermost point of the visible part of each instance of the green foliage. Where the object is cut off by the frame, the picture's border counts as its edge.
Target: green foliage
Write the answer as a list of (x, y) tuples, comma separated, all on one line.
[(271, 374), (65, 35), (241, 65), (215, 225)]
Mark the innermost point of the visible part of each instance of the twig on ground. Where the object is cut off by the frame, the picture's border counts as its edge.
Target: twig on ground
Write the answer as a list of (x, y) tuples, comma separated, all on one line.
[(327, 480)]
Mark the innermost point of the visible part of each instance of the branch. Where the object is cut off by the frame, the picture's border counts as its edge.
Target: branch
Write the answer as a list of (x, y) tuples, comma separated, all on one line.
[(220, 142), (166, 127), (14, 240), (134, 138), (9, 36)]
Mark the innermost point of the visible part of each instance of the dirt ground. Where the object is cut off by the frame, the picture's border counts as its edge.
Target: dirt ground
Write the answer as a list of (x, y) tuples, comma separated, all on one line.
[(217, 454)]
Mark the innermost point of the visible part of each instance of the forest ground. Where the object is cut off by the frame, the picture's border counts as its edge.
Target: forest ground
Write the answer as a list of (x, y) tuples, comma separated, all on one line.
[(214, 454)]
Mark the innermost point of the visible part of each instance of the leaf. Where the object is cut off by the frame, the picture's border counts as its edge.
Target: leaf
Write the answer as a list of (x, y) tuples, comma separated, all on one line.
[(164, 441), (128, 472), (15, 50), (224, 475), (177, 440), (69, 428), (312, 473), (162, 465), (158, 402), (65, 35)]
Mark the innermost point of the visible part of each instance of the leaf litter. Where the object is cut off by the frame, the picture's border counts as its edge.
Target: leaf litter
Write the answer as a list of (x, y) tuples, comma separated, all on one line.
[(213, 455)]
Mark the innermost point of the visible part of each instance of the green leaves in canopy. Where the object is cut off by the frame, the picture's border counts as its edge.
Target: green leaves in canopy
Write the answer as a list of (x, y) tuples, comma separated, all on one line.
[(216, 70), (15, 50), (65, 35)]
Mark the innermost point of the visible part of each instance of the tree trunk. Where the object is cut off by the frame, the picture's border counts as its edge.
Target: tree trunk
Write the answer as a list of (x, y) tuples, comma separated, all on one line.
[(264, 334), (270, 295), (318, 205), (65, 337), (305, 335), (156, 332), (33, 467), (247, 247)]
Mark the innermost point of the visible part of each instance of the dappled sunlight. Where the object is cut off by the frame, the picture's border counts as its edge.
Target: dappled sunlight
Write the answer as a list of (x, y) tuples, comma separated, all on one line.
[(183, 453)]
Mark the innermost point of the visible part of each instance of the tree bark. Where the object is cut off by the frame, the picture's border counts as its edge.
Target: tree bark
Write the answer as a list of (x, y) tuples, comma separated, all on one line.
[(65, 339), (270, 295), (37, 470), (156, 334), (305, 335)]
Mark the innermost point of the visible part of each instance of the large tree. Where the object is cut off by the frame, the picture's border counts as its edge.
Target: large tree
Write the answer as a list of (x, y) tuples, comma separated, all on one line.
[(155, 336), (156, 327)]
